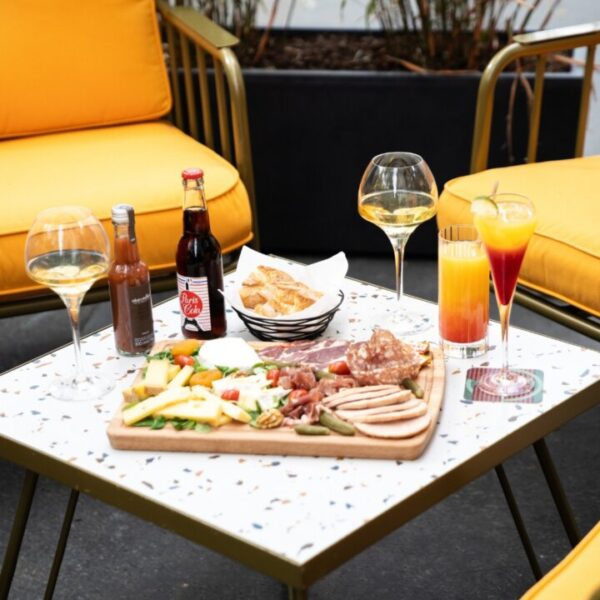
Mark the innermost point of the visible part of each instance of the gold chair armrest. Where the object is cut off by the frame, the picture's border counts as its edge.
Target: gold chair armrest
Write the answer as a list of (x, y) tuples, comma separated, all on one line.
[(537, 44), (208, 38), (198, 28)]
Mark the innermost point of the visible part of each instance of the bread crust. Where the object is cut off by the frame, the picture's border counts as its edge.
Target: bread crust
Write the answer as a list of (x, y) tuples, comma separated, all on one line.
[(274, 293)]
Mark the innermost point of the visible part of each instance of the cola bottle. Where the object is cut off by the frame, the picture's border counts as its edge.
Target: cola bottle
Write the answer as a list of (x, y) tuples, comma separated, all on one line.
[(199, 265)]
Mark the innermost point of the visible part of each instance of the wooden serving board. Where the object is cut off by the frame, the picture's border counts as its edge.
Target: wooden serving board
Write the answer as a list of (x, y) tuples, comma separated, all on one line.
[(243, 439)]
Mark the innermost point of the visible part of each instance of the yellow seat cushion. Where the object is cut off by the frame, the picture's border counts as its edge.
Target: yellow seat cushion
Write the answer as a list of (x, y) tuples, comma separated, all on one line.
[(577, 577), (563, 257), (135, 164), (69, 64)]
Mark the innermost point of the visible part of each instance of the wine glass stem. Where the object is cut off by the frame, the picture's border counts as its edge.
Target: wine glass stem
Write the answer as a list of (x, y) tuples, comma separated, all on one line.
[(504, 310), (73, 304), (398, 244)]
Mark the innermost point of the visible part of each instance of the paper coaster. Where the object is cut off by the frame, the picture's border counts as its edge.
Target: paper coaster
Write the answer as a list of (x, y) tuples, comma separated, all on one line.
[(474, 393)]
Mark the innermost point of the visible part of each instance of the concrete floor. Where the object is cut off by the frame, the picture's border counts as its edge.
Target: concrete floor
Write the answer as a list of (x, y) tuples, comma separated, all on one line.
[(466, 547)]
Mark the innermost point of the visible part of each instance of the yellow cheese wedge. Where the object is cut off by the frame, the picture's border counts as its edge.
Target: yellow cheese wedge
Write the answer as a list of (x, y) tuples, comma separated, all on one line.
[(202, 393), (129, 395), (201, 411), (173, 370), (223, 420), (235, 412), (148, 407), (182, 377), (157, 374), (139, 389)]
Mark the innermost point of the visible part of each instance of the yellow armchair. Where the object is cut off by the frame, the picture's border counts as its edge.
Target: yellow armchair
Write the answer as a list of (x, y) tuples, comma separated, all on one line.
[(86, 97), (560, 276)]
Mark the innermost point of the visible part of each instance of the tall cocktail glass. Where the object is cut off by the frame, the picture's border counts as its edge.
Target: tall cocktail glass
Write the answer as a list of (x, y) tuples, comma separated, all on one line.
[(463, 292), (505, 223)]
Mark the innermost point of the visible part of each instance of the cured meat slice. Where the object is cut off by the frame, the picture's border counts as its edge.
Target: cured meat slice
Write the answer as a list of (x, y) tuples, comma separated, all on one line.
[(357, 393), (395, 430), (317, 354), (382, 359), (349, 414), (350, 403), (332, 385), (387, 417)]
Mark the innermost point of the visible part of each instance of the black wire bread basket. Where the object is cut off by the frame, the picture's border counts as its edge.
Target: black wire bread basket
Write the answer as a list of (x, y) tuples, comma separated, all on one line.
[(289, 329)]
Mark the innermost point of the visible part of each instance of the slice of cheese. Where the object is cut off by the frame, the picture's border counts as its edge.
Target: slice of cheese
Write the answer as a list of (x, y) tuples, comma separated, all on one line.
[(199, 392), (182, 377), (235, 412), (201, 411), (173, 370), (153, 405), (156, 377)]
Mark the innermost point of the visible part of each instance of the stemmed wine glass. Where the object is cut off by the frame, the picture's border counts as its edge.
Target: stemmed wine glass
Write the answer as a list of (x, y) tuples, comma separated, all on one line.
[(505, 223), (67, 250), (397, 193)]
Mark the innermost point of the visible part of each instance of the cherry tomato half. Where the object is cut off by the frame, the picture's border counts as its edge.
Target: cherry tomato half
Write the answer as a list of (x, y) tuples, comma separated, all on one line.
[(339, 368), (273, 376), (230, 395), (182, 360)]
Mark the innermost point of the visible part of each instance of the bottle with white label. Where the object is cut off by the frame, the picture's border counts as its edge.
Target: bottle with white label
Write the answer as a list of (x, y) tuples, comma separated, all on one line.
[(199, 266), (129, 285)]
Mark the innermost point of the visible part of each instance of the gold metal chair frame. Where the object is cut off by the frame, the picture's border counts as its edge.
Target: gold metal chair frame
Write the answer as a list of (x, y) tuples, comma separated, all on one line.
[(193, 43), (541, 45)]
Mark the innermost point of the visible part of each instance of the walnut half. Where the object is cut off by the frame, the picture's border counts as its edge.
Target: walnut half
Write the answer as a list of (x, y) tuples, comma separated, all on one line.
[(269, 419)]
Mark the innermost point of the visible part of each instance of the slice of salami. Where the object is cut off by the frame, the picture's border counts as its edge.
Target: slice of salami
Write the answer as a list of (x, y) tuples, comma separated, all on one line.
[(383, 359)]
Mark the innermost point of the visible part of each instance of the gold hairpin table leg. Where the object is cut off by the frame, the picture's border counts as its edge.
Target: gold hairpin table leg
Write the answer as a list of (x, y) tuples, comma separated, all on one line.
[(519, 523), (61, 545), (18, 531), (297, 593), (558, 492)]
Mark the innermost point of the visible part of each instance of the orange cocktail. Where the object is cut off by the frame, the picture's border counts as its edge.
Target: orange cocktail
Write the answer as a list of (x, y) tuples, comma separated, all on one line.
[(463, 291)]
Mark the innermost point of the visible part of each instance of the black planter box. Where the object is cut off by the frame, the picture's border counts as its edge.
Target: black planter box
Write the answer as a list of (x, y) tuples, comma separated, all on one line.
[(313, 133)]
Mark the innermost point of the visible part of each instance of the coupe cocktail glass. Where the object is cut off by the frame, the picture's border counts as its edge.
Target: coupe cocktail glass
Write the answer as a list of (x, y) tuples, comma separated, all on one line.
[(505, 223)]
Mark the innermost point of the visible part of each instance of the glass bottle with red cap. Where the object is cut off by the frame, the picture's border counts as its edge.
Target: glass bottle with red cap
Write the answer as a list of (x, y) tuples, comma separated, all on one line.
[(129, 286), (199, 266)]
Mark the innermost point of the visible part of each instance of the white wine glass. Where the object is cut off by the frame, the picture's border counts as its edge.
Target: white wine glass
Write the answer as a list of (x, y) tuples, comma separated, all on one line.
[(67, 250), (397, 193)]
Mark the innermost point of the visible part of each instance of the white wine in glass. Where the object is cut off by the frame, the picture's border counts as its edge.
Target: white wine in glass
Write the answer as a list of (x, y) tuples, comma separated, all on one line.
[(67, 250), (398, 193)]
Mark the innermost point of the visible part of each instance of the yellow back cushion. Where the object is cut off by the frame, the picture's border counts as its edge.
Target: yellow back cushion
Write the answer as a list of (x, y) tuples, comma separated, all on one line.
[(71, 64)]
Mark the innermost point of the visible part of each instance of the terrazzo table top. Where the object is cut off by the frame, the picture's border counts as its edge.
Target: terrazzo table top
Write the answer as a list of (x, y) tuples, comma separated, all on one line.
[(295, 508)]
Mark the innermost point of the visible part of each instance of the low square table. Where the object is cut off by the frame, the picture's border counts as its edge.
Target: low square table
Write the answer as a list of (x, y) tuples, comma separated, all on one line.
[(303, 516)]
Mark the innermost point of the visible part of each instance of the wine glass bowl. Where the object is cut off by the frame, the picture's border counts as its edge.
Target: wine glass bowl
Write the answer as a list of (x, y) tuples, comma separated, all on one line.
[(67, 250), (397, 193)]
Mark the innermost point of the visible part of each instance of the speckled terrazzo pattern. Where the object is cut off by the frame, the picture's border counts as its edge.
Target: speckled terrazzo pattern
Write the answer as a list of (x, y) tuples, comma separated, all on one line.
[(293, 506)]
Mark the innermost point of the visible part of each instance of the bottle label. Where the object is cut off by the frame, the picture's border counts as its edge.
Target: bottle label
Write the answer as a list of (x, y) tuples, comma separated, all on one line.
[(142, 327), (194, 303)]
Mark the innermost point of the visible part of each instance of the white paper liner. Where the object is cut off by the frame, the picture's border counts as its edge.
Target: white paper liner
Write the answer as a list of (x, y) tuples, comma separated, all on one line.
[(325, 276)]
